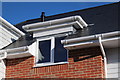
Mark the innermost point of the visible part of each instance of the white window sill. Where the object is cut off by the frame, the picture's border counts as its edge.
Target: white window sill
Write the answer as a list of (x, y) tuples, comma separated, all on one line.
[(48, 64)]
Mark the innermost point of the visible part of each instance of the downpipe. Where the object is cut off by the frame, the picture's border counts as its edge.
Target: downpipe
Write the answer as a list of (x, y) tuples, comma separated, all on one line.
[(104, 55)]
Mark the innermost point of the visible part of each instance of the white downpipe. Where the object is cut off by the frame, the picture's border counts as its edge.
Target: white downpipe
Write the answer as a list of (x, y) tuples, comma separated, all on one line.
[(104, 55), (56, 22), (11, 26)]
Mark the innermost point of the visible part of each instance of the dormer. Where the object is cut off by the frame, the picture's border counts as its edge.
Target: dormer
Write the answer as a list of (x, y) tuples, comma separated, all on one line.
[(48, 35)]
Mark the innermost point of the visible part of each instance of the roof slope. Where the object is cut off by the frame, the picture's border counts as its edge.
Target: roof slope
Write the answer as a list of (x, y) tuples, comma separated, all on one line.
[(23, 41), (104, 18)]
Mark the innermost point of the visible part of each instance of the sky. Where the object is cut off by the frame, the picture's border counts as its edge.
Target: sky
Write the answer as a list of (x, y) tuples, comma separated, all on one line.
[(16, 12)]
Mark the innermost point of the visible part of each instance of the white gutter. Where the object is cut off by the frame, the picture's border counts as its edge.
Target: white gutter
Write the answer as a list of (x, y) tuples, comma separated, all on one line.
[(76, 24), (15, 53), (14, 50), (90, 43), (105, 35), (104, 55), (18, 55), (11, 26), (56, 22)]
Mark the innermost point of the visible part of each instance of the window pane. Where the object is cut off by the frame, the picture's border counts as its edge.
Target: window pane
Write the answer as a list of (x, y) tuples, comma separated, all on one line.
[(45, 50), (60, 51)]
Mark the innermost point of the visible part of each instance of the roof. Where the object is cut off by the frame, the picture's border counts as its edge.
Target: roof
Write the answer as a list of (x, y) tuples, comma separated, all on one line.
[(105, 16), (12, 28), (104, 19), (23, 41)]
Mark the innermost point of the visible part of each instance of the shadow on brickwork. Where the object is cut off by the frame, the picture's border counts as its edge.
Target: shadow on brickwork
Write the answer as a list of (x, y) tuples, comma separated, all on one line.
[(12, 62), (83, 54)]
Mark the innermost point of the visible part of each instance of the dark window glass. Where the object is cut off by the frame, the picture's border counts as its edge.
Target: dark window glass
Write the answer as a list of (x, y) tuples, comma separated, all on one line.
[(60, 54), (45, 50)]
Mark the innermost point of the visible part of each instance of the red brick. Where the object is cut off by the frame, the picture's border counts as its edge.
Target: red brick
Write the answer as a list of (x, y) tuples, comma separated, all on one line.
[(80, 65)]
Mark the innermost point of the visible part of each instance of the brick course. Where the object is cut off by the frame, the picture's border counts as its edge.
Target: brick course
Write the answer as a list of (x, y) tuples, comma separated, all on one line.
[(83, 63)]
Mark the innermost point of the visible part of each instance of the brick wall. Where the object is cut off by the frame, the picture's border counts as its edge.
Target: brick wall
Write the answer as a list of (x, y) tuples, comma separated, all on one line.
[(83, 63)]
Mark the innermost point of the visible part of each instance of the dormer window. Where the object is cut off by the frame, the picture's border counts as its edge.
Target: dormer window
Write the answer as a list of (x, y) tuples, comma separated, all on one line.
[(52, 51)]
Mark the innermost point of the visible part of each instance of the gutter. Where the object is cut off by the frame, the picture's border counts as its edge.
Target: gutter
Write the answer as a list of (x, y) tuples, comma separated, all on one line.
[(76, 24), (56, 22), (25, 48), (105, 35), (15, 52), (11, 26), (19, 51)]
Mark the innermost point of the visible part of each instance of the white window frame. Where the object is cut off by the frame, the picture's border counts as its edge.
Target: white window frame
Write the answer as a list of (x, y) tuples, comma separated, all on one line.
[(52, 39)]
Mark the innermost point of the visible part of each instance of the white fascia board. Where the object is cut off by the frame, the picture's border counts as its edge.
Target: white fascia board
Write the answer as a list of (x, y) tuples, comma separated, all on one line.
[(20, 52), (18, 55), (56, 22), (76, 24), (3, 21), (111, 39), (110, 34), (81, 45), (54, 31), (107, 43), (12, 50), (92, 37), (17, 52)]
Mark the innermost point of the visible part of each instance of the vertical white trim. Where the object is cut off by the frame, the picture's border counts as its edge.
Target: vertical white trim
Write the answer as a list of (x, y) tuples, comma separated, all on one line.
[(104, 55), (52, 49), (36, 58)]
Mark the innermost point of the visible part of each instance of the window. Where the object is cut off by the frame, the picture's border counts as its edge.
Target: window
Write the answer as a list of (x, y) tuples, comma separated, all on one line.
[(52, 51), (60, 51), (45, 47)]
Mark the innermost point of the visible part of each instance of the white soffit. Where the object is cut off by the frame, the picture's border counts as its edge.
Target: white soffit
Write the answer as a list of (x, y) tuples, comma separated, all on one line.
[(53, 32)]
